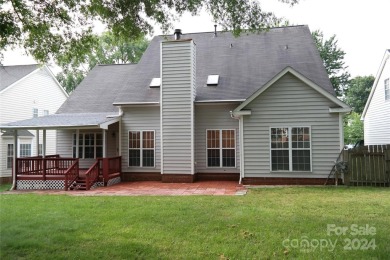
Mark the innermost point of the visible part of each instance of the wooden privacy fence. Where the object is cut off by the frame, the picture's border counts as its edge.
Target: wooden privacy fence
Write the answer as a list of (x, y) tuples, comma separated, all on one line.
[(368, 166)]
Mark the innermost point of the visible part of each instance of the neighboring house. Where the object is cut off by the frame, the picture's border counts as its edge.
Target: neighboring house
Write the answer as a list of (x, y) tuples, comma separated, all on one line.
[(376, 113), (26, 91), (258, 108)]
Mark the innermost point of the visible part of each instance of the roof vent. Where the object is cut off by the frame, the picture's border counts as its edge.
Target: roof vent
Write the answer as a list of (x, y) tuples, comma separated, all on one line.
[(155, 83), (177, 34), (212, 80)]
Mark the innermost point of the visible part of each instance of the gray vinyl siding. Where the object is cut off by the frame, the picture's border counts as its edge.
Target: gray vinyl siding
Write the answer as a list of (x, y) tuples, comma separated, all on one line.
[(213, 117), (139, 119), (288, 103), (177, 106)]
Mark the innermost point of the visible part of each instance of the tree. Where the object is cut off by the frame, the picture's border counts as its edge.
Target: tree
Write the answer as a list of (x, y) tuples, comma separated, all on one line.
[(353, 128), (64, 29), (108, 50), (358, 91), (333, 58)]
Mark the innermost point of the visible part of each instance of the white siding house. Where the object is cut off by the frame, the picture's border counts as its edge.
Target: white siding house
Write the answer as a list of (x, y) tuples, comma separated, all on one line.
[(27, 91), (376, 114)]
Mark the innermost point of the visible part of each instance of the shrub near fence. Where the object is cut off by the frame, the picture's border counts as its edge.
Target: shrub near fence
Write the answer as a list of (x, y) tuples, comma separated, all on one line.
[(368, 166)]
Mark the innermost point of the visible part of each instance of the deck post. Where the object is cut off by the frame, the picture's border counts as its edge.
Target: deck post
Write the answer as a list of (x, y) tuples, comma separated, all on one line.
[(37, 141), (44, 144), (106, 168)]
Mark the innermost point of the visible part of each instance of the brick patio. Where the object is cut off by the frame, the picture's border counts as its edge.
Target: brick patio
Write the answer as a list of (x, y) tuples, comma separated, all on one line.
[(154, 188)]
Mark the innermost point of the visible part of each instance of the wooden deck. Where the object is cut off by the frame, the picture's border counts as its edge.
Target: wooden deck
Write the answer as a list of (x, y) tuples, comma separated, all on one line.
[(54, 172)]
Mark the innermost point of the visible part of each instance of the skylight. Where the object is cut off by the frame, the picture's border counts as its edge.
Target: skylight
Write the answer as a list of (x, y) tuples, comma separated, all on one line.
[(212, 80), (155, 83)]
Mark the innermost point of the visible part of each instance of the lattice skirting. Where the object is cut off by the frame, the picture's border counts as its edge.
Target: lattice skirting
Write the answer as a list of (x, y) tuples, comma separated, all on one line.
[(114, 181), (40, 185)]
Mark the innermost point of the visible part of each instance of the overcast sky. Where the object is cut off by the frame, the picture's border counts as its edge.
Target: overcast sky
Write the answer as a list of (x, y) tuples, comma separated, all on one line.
[(362, 28)]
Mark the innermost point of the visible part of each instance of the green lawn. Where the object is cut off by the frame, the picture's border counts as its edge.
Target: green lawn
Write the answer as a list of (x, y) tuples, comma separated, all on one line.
[(267, 223)]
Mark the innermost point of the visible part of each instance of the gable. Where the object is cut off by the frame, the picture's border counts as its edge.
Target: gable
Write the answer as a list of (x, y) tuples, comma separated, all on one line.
[(10, 75), (297, 86), (377, 91)]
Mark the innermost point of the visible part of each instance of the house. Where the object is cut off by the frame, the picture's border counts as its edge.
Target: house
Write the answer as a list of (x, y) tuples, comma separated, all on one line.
[(26, 91), (377, 110), (258, 109)]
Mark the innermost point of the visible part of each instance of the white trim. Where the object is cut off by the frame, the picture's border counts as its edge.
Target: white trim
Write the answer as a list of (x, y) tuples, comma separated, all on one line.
[(161, 111), (44, 144), (221, 101), (136, 103), (378, 75), (339, 110), (341, 131), (141, 149), (242, 157), (300, 77), (241, 113), (193, 85), (220, 148), (290, 148)]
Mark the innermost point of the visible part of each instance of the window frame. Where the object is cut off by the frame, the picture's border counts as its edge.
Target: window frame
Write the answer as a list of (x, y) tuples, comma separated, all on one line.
[(386, 84), (141, 149), (23, 149), (220, 148), (82, 145), (35, 112), (290, 149)]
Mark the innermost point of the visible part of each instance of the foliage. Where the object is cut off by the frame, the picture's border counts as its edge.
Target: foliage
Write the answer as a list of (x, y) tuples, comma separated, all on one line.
[(358, 91), (47, 29), (253, 226), (333, 58), (353, 128), (108, 50)]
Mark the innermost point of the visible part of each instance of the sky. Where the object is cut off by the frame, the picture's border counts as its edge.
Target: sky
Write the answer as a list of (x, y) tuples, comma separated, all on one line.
[(362, 28)]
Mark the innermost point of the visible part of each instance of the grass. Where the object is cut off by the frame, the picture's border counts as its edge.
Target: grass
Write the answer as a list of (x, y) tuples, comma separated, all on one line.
[(264, 224), (5, 187)]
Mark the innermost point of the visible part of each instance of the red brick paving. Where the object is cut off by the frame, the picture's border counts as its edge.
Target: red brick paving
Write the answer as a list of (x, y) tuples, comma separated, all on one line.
[(154, 188)]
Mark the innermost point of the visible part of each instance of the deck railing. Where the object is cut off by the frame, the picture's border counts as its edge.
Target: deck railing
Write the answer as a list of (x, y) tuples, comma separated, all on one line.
[(50, 165), (110, 166), (92, 175), (71, 174)]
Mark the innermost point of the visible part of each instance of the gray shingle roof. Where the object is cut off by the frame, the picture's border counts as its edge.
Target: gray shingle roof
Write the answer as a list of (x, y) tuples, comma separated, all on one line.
[(243, 63), (63, 120), (11, 74), (98, 90), (23, 132)]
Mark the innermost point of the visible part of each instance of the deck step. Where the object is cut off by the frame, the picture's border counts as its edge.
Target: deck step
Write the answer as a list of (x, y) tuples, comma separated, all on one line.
[(79, 184)]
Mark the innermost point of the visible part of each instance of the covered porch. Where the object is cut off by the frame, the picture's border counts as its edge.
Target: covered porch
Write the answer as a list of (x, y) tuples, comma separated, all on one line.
[(89, 156)]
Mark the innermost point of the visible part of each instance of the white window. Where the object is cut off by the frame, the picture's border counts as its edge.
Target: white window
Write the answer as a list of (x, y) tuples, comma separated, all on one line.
[(45, 112), (35, 112), (387, 89), (25, 150), (10, 155), (141, 148), (40, 149), (221, 148), (90, 145), (290, 149)]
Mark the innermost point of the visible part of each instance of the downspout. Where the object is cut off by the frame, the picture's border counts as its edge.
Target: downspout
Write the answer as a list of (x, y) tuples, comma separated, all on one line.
[(241, 141), (15, 151), (120, 131)]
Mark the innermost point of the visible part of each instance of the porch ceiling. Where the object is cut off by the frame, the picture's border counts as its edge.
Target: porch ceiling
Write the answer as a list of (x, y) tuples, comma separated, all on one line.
[(65, 121)]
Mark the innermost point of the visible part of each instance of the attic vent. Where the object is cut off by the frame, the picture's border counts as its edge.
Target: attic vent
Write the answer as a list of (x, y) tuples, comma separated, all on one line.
[(212, 80), (155, 83)]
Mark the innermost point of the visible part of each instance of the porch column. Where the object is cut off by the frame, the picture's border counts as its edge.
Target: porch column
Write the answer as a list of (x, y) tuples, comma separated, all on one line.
[(44, 144), (104, 134), (77, 142), (15, 155), (37, 141)]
